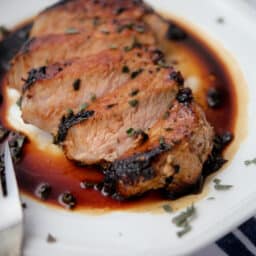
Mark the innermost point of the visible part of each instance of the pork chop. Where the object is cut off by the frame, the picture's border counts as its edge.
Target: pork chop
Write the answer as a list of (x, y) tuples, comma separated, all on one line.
[(122, 118), (171, 159), (82, 81), (107, 94), (49, 49), (85, 15)]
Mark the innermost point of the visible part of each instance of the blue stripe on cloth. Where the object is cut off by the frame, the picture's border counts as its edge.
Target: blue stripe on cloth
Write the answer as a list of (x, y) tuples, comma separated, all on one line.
[(249, 230), (232, 246)]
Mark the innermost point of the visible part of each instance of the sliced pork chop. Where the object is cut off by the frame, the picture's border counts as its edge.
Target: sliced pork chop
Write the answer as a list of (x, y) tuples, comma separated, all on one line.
[(46, 50), (85, 15), (123, 108), (46, 100), (121, 119), (88, 15), (171, 159)]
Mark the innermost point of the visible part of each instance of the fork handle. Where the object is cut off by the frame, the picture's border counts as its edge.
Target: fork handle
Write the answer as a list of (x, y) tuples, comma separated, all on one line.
[(10, 242)]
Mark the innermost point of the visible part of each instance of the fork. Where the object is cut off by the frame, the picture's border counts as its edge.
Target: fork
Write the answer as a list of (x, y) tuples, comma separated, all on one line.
[(11, 217)]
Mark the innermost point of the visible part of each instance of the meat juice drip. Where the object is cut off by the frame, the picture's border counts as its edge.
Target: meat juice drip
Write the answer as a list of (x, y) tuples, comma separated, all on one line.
[(39, 167)]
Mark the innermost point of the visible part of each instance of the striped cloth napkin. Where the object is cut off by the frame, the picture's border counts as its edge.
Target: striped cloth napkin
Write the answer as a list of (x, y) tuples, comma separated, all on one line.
[(240, 242)]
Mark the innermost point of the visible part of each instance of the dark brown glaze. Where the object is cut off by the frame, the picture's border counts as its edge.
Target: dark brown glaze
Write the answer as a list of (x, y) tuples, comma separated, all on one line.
[(216, 77), (37, 167)]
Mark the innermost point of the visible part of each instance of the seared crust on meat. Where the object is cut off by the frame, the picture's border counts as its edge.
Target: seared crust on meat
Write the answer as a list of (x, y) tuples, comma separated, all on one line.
[(172, 158)]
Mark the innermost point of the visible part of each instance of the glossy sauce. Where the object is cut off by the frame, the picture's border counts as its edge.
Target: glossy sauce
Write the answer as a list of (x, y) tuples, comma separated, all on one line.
[(194, 58)]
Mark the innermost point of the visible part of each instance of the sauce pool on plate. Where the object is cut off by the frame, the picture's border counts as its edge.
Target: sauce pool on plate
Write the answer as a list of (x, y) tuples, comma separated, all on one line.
[(51, 177)]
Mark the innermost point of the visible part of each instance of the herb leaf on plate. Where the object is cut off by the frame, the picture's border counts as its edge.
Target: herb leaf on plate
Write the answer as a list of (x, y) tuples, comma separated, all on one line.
[(184, 219), (167, 208)]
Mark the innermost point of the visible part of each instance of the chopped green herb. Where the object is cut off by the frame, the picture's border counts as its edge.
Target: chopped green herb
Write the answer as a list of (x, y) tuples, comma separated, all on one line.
[(113, 46), (134, 92), (167, 208), (187, 228), (211, 198), (220, 20), (93, 97), (125, 69), (128, 48), (70, 112), (182, 219), (222, 187), (161, 140), (217, 181), (139, 28), (76, 84), (135, 73), (84, 106), (162, 64), (71, 31), (133, 103), (219, 186), (130, 132), (124, 26), (250, 162), (137, 134), (19, 101)]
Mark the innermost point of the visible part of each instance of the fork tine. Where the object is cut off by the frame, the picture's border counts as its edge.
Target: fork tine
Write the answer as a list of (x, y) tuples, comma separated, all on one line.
[(11, 224), (3, 189), (10, 206), (11, 184), (2, 172), (1, 184)]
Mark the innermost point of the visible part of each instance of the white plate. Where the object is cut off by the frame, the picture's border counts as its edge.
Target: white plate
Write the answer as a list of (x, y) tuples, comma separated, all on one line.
[(131, 233)]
